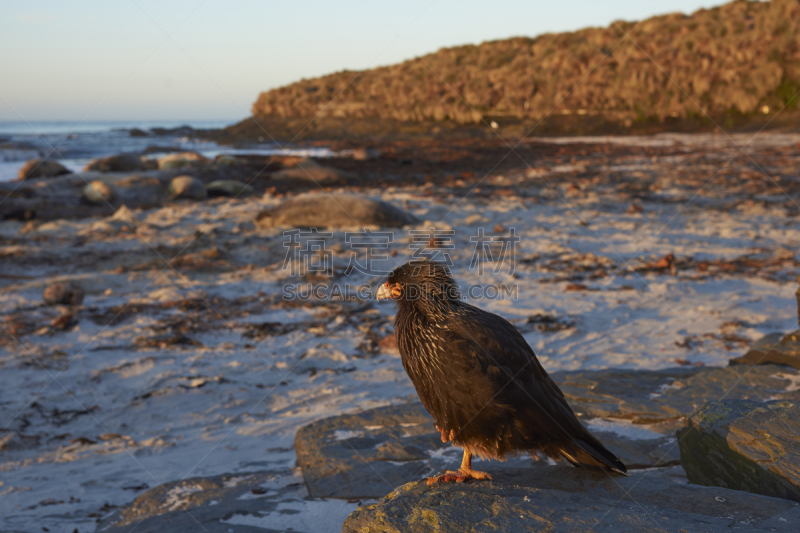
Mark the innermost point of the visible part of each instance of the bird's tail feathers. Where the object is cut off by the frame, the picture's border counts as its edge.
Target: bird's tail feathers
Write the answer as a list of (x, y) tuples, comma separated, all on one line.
[(592, 454)]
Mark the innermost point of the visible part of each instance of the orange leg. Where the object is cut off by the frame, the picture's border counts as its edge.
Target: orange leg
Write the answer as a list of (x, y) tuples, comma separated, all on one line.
[(461, 475)]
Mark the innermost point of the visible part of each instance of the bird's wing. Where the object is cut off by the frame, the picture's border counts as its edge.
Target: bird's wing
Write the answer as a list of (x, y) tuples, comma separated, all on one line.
[(506, 368)]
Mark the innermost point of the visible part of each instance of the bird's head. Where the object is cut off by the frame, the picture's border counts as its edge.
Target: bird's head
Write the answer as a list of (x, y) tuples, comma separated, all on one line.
[(424, 284)]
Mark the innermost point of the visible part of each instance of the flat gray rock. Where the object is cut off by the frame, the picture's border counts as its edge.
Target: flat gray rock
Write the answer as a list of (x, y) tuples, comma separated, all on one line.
[(321, 210), (229, 503), (368, 454), (745, 445), (562, 498), (773, 349), (646, 396)]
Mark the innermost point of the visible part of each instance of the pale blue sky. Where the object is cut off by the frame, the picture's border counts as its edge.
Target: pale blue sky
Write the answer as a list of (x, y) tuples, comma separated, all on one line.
[(100, 60)]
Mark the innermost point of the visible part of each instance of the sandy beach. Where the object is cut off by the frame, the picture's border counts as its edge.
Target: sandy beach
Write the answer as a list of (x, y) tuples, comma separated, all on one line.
[(184, 358)]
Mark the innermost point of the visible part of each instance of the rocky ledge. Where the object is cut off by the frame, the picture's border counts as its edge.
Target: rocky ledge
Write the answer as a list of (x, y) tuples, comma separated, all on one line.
[(361, 456), (562, 498), (634, 413)]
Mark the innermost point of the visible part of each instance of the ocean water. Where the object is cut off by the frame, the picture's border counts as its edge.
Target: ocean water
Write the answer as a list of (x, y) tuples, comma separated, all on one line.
[(74, 144)]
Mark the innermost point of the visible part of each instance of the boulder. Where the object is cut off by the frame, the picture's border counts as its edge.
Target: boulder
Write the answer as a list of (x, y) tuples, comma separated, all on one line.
[(100, 193), (332, 210), (566, 499), (773, 349), (140, 191), (226, 160), (744, 445), (63, 293), (136, 132), (313, 174), (181, 160), (116, 163), (187, 187), (232, 188), (364, 455), (41, 168)]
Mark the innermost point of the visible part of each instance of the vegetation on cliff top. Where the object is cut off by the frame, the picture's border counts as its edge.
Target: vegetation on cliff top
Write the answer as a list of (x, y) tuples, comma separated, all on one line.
[(742, 57)]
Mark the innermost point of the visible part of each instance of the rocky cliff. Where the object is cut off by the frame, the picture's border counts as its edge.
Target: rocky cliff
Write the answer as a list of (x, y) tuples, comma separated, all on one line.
[(739, 58)]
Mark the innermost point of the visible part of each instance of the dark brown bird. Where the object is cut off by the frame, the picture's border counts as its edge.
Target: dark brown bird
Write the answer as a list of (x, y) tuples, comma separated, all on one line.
[(479, 379)]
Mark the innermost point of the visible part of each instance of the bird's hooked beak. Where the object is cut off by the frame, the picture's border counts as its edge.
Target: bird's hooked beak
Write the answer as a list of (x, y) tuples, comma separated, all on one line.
[(388, 290)]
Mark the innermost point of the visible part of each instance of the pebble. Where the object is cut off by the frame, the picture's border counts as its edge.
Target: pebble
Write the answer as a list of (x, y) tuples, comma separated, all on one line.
[(99, 192), (232, 188), (66, 293)]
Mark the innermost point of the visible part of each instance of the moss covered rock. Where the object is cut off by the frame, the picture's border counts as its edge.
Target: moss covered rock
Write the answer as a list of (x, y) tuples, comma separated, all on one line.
[(567, 499), (744, 445)]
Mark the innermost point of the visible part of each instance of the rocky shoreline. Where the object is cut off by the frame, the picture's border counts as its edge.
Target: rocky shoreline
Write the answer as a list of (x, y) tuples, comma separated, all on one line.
[(163, 380), (360, 457)]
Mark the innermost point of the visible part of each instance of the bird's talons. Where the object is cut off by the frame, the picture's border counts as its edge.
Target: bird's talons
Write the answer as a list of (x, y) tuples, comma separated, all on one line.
[(458, 476)]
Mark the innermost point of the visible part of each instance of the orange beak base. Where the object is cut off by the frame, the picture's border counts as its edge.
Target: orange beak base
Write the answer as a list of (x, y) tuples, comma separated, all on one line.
[(387, 291)]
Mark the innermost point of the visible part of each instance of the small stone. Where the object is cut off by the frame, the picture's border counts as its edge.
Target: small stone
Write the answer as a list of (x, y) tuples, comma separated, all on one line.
[(232, 188), (124, 214), (472, 219), (41, 168), (197, 382), (63, 321), (187, 187), (100, 193), (665, 262), (65, 293), (366, 154), (226, 160)]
